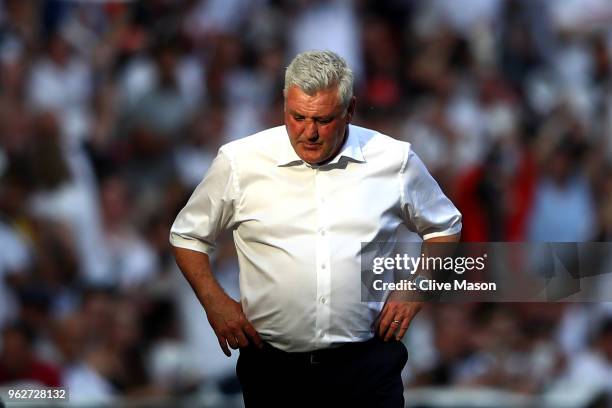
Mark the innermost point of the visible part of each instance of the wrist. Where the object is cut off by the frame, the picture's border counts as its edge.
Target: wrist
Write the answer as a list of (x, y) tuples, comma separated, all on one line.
[(214, 295)]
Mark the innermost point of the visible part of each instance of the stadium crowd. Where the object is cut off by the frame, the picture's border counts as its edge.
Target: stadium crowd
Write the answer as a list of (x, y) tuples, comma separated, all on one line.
[(111, 112)]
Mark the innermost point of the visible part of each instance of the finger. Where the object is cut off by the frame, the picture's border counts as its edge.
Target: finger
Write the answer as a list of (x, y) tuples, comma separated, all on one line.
[(393, 326), (241, 339), (402, 330), (253, 335), (231, 334), (231, 340), (223, 344), (412, 312), (385, 320), (379, 321)]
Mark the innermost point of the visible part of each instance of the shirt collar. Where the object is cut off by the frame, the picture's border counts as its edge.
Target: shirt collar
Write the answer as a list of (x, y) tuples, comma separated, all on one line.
[(351, 149)]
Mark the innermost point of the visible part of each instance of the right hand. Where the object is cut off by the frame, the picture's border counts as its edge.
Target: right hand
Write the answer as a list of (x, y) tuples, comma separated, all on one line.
[(231, 326)]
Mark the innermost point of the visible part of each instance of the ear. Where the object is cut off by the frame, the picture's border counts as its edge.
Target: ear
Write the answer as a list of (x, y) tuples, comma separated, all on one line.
[(350, 111)]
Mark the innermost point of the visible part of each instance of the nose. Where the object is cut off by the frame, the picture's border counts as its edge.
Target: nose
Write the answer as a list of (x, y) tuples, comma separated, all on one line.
[(310, 130)]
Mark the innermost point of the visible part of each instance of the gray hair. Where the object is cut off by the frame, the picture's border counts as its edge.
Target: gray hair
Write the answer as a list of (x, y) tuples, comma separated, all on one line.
[(313, 71)]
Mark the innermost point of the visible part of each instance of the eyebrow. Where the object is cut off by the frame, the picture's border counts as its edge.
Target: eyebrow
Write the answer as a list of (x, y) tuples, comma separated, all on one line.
[(294, 113)]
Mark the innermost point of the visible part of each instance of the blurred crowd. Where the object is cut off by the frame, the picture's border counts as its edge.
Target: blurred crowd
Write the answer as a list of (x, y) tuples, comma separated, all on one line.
[(111, 112)]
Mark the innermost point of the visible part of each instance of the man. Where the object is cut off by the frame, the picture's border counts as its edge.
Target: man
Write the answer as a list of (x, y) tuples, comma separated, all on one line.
[(300, 199)]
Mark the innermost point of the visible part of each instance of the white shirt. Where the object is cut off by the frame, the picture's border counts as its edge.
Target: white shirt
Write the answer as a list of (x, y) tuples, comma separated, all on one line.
[(298, 228)]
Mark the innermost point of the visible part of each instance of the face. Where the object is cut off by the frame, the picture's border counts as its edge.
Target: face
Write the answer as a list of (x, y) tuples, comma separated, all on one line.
[(317, 123)]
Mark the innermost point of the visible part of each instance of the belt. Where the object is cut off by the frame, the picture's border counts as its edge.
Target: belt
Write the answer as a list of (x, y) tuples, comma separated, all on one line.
[(333, 355)]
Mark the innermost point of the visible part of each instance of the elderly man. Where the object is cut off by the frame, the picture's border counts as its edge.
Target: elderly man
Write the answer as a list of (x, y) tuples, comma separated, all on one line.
[(300, 199)]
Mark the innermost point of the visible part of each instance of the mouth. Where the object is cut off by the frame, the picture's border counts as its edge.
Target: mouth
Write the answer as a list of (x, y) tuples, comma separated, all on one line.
[(311, 146)]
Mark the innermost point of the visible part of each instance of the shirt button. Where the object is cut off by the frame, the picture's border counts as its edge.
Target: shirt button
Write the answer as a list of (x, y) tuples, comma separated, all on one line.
[(323, 300), (322, 266), (323, 232)]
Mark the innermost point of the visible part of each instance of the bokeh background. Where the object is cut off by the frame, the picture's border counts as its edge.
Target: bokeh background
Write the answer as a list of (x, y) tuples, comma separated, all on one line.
[(111, 112)]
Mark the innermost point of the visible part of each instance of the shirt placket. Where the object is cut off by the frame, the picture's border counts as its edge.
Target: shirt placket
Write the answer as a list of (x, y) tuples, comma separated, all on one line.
[(322, 259)]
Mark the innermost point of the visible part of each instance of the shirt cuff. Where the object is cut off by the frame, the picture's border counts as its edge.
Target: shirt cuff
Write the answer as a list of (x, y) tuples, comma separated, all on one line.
[(455, 229), (191, 243)]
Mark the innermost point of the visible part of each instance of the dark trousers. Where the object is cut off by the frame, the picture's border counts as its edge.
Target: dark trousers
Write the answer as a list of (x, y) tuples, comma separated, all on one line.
[(363, 374)]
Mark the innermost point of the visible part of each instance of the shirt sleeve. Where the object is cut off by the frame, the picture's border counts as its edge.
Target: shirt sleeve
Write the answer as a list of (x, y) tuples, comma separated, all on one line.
[(210, 209), (425, 208)]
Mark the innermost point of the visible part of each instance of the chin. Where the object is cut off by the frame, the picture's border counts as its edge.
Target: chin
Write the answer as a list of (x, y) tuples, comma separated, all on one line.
[(310, 158)]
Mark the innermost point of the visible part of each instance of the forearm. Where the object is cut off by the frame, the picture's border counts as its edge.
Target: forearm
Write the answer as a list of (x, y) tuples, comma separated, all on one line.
[(432, 249), (402, 306), (196, 268), (224, 314)]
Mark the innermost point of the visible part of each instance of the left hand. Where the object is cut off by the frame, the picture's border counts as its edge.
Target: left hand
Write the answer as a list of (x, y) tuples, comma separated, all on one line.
[(396, 316)]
